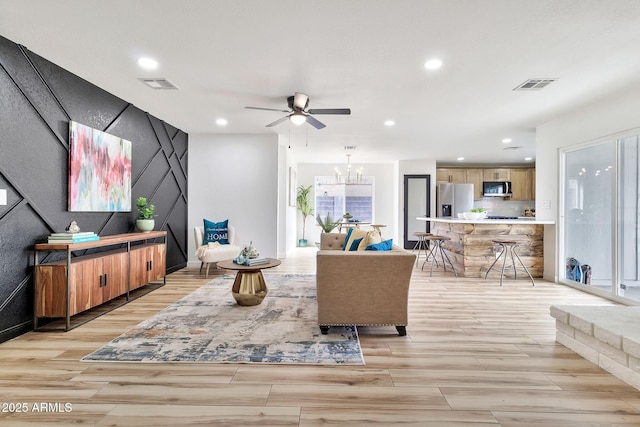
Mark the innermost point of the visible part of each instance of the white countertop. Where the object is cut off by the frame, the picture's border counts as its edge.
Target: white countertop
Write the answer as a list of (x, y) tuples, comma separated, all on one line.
[(521, 220)]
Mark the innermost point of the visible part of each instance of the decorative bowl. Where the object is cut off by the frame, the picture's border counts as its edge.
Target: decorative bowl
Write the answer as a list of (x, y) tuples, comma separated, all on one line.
[(474, 215)]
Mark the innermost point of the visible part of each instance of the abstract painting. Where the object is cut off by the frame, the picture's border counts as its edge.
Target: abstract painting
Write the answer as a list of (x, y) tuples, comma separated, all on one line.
[(99, 171)]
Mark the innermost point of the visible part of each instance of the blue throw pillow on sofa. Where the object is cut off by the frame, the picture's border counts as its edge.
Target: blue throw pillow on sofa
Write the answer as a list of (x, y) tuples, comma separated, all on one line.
[(346, 240), (216, 232), (355, 244), (382, 246)]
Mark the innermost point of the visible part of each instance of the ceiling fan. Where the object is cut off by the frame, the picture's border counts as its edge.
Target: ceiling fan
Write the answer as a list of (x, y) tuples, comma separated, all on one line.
[(298, 112)]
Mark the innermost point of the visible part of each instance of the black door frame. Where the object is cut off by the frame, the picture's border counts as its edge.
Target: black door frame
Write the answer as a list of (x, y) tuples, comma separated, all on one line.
[(409, 244)]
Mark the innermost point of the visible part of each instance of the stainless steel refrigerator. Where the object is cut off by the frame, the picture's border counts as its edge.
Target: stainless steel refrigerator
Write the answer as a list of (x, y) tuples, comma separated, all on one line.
[(452, 199)]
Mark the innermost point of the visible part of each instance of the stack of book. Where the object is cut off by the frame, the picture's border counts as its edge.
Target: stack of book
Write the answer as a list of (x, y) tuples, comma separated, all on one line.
[(66, 238), (255, 261)]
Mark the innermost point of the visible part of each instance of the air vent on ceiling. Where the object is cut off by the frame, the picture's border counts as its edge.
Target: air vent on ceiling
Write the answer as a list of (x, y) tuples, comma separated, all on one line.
[(350, 147), (159, 83), (534, 84), (512, 148)]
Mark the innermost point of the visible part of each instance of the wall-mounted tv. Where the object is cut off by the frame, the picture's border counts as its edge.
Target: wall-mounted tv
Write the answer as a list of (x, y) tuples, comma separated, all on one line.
[(99, 171)]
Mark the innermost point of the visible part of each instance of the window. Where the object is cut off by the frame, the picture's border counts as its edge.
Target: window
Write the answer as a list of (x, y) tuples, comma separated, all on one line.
[(335, 198)]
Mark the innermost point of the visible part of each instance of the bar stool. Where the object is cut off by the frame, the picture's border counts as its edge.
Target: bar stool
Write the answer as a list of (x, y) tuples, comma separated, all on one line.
[(435, 247), (509, 248), (421, 244), (377, 227)]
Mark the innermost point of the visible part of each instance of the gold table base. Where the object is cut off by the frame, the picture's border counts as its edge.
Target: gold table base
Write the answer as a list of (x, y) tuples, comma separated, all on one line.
[(249, 288)]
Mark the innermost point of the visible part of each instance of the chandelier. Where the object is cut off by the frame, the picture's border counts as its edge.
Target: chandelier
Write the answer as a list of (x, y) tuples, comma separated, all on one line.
[(348, 178)]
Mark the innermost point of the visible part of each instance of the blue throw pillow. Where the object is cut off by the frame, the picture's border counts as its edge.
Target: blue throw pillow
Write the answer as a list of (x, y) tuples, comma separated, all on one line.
[(344, 247), (216, 232), (382, 246), (355, 244)]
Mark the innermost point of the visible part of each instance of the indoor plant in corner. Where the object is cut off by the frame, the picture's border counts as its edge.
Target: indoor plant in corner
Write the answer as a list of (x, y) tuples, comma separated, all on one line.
[(146, 213), (304, 206)]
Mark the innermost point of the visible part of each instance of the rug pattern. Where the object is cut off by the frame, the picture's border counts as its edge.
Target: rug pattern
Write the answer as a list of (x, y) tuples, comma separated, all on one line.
[(208, 326)]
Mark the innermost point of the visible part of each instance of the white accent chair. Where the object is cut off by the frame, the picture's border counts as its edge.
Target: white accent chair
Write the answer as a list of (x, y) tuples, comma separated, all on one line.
[(208, 255)]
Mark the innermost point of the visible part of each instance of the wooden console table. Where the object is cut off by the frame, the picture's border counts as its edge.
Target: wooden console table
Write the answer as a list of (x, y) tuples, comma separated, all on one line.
[(76, 284)]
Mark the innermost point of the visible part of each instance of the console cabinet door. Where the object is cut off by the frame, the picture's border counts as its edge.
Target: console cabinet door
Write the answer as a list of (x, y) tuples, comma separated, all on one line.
[(114, 272), (138, 272), (148, 263), (80, 290), (158, 263), (51, 288)]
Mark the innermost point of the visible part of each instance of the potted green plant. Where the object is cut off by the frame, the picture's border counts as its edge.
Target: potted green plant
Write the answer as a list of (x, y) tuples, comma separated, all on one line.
[(304, 206), (146, 213), (328, 224)]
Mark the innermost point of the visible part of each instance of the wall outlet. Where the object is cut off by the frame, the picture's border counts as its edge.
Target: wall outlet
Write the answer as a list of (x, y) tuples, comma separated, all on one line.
[(546, 204), (3, 197)]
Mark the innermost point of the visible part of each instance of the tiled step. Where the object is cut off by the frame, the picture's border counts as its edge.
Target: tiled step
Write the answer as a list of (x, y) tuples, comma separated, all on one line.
[(608, 336)]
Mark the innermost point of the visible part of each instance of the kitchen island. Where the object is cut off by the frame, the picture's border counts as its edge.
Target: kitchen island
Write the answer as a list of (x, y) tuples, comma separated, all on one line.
[(471, 249)]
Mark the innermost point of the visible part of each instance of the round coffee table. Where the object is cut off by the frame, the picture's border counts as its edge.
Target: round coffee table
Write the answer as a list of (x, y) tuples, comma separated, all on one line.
[(249, 287)]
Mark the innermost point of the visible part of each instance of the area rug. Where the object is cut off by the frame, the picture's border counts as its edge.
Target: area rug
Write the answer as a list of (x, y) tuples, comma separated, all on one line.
[(208, 326)]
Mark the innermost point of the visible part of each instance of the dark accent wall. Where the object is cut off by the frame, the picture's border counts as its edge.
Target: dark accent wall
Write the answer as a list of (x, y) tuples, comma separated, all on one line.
[(37, 101)]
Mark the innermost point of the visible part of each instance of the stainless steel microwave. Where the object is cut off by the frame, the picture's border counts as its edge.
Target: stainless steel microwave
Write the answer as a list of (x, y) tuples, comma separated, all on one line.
[(496, 188)]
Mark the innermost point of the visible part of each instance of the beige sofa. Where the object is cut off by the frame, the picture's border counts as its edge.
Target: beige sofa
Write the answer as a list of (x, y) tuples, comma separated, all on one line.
[(362, 287)]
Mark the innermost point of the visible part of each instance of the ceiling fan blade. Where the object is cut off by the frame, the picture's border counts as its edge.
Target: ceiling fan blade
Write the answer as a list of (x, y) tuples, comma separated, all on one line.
[(315, 122), (267, 109), (300, 101), (330, 111), (277, 122)]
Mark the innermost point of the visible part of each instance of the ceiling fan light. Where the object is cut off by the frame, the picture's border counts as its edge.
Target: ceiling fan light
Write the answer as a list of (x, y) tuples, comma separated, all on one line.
[(297, 118)]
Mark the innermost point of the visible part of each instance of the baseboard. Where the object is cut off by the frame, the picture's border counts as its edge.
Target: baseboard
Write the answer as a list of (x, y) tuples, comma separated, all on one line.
[(175, 268), (16, 330)]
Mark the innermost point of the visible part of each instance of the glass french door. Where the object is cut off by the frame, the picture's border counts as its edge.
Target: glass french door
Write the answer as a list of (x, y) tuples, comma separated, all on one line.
[(601, 217), (588, 248)]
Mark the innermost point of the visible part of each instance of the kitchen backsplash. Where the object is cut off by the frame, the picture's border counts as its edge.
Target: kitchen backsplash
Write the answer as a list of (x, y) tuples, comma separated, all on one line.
[(499, 207)]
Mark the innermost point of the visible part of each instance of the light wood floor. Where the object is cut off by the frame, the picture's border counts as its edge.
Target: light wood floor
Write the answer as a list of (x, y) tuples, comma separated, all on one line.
[(475, 354)]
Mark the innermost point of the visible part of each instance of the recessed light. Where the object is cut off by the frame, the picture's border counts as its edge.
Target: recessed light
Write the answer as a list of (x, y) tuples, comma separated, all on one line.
[(460, 159), (506, 140), (389, 123), (221, 122), (433, 64), (528, 159), (148, 63)]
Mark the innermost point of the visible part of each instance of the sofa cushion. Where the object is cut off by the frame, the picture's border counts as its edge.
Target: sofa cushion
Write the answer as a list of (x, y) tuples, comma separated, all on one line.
[(372, 237), (346, 241), (216, 232), (356, 244), (356, 233), (382, 246)]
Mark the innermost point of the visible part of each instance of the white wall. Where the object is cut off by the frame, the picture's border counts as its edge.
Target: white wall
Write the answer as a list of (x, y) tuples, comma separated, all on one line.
[(287, 214), (236, 177), (607, 116)]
